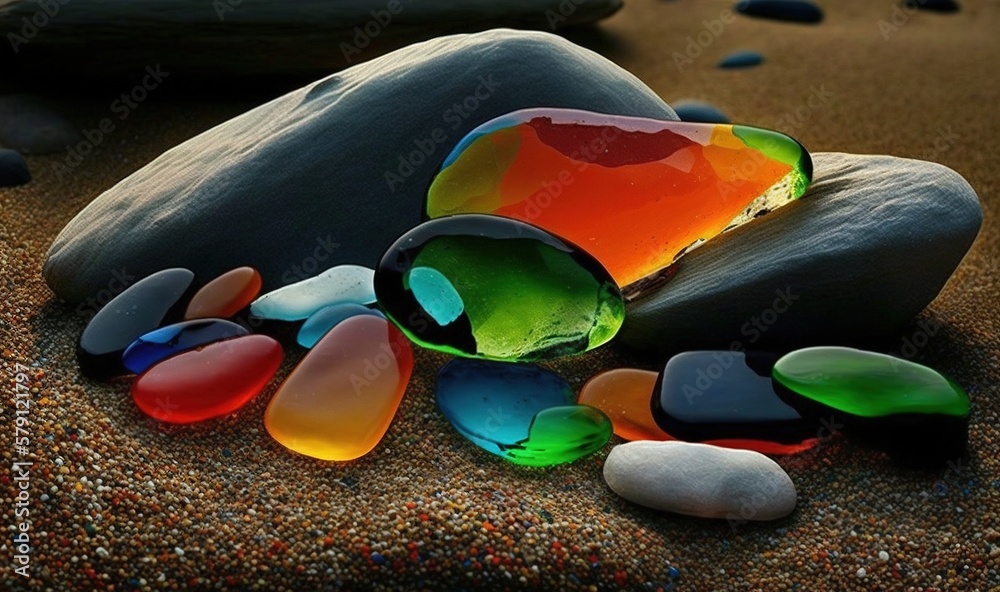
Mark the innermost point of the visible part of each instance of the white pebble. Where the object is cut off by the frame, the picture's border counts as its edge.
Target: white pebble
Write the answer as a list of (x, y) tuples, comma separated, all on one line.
[(179, 551), (861, 572), (102, 552), (883, 556)]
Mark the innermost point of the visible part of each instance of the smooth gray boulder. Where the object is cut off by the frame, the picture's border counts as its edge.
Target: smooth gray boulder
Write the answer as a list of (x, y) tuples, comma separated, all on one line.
[(331, 173), (871, 243), (700, 480), (209, 38)]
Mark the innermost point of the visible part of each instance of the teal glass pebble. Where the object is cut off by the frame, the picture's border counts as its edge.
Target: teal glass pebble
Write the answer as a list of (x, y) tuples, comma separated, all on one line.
[(320, 322), (520, 412)]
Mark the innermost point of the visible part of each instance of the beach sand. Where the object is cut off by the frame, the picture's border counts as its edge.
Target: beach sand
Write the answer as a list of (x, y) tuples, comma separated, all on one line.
[(119, 502)]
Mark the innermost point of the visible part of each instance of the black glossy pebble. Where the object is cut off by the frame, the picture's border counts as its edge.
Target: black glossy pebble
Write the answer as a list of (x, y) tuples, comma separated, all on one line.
[(142, 307), (721, 395)]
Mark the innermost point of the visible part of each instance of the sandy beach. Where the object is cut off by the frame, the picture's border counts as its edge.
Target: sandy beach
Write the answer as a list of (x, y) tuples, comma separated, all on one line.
[(120, 502)]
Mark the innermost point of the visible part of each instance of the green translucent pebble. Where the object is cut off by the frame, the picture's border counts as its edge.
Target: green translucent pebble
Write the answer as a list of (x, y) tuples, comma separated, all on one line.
[(560, 435), (868, 384)]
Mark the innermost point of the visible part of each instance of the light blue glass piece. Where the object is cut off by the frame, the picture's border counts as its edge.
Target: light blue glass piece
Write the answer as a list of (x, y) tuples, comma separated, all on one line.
[(337, 285), (320, 322)]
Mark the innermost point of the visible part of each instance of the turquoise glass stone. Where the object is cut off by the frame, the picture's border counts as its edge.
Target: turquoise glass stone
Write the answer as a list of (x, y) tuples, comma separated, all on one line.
[(167, 341), (521, 412), (320, 322)]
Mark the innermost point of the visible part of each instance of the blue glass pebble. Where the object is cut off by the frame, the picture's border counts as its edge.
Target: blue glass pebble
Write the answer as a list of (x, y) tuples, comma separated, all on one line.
[(320, 322), (493, 403), (164, 342), (520, 412)]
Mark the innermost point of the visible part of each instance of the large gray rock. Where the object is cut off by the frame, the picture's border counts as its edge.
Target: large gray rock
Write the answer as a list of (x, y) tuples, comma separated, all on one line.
[(870, 245), (700, 480), (98, 38), (331, 173)]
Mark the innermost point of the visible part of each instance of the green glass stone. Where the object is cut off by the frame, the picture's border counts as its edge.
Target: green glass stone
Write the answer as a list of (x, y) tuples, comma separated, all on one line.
[(915, 414), (869, 384), (560, 435), (494, 288)]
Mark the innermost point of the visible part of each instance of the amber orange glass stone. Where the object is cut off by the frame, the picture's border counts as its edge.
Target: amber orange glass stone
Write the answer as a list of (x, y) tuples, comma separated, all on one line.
[(635, 193), (339, 401), (623, 394), (209, 382), (226, 295)]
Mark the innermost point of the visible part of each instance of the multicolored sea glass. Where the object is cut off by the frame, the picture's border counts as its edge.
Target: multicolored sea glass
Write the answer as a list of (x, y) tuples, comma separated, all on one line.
[(226, 295), (727, 395), (142, 307), (339, 401), (911, 411), (496, 288), (209, 382), (520, 412), (177, 338), (324, 319), (337, 285), (634, 193)]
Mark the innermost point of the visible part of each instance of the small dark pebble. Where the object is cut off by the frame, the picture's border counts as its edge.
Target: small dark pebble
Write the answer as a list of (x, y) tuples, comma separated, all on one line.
[(935, 5), (699, 111), (796, 11), (13, 169), (741, 59)]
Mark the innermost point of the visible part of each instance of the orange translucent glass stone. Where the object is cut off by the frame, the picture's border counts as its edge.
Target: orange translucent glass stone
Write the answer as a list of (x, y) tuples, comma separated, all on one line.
[(632, 192), (212, 381), (339, 401), (226, 295), (623, 395)]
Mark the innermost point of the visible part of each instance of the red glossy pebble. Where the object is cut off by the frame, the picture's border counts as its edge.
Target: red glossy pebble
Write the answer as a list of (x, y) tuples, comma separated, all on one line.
[(208, 382)]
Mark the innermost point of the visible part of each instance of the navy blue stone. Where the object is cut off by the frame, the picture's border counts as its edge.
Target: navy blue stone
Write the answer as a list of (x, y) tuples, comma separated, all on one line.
[(741, 59), (797, 11), (162, 343)]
